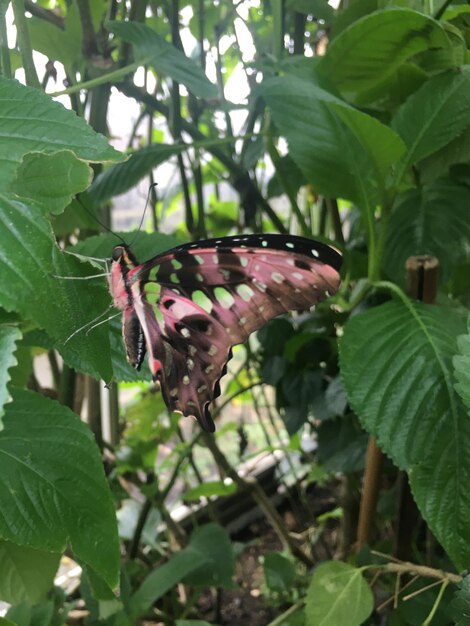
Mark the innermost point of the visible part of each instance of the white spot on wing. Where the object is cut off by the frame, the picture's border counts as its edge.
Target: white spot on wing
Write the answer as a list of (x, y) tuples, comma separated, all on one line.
[(315, 253), (277, 277)]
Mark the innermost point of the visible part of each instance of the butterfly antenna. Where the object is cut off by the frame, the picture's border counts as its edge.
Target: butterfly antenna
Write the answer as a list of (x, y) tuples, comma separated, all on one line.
[(108, 319), (102, 224), (151, 187)]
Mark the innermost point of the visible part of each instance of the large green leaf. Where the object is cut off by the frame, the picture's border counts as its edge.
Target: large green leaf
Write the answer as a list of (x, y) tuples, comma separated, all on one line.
[(439, 163), (30, 265), (164, 57), (32, 122), (9, 336), (430, 220), (51, 180), (326, 135), (25, 574), (462, 367), (338, 594), (370, 49), (433, 116), (123, 176), (52, 485), (396, 363)]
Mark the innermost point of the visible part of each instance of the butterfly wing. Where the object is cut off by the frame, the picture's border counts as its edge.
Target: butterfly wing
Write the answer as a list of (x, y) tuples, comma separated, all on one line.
[(198, 300)]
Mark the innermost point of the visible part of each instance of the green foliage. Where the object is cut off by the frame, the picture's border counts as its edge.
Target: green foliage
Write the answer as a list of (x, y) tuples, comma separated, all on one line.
[(415, 413), (396, 36), (338, 594), (26, 574), (9, 336), (461, 603), (165, 58), (377, 129), (50, 466)]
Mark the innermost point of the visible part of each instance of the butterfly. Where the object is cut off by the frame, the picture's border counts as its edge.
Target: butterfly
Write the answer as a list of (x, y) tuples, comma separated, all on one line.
[(189, 306)]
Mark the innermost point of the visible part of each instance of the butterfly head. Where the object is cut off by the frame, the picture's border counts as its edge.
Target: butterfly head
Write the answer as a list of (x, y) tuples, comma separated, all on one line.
[(124, 257)]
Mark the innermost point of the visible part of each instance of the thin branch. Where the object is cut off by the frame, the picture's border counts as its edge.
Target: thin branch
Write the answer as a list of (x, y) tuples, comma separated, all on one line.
[(259, 496), (406, 567), (24, 43), (5, 66), (89, 44), (44, 14)]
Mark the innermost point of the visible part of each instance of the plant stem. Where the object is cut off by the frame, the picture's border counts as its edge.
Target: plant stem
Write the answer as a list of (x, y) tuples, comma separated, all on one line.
[(259, 496), (111, 77), (406, 567), (24, 43), (281, 619), (276, 159), (5, 66), (44, 14), (89, 43)]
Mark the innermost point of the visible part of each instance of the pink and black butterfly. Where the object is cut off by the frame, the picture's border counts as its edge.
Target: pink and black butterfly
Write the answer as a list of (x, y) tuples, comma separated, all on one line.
[(189, 306)]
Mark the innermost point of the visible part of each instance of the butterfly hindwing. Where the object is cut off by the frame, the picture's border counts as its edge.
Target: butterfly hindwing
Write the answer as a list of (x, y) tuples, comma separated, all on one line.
[(198, 300)]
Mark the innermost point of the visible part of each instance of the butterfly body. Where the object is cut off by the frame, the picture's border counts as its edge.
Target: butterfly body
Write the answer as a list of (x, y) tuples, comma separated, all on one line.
[(187, 307)]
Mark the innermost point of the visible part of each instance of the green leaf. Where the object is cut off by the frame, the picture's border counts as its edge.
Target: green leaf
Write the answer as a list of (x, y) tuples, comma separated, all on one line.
[(461, 364), (25, 574), (52, 485), (396, 363), (51, 180), (325, 135), (211, 546), (164, 57), (320, 9), (439, 163), (29, 269), (209, 489), (46, 126), (9, 336), (433, 116), (338, 594), (431, 220), (290, 171), (279, 571), (123, 176), (161, 580), (20, 614), (341, 445), (461, 603), (370, 49)]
